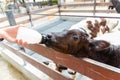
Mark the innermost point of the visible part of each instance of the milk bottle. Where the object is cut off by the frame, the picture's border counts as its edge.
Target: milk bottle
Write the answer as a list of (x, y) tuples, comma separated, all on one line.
[(30, 36)]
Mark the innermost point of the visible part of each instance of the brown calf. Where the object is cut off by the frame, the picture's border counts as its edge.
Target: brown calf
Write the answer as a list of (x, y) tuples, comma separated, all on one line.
[(76, 42)]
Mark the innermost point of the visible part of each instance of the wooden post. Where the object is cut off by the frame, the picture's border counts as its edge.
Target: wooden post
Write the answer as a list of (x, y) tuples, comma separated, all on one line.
[(10, 17), (94, 7)]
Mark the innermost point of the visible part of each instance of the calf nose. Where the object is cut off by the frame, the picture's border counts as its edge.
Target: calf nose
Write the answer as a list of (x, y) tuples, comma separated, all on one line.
[(49, 36)]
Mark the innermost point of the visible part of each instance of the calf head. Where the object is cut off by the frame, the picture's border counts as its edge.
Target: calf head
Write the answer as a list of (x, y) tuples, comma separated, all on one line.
[(75, 42), (68, 41)]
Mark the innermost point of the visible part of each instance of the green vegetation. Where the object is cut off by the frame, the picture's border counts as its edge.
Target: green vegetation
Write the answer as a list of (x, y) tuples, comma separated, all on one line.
[(50, 2), (54, 2)]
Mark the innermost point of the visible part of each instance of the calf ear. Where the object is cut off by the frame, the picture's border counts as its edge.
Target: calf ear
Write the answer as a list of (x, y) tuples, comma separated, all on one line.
[(99, 45)]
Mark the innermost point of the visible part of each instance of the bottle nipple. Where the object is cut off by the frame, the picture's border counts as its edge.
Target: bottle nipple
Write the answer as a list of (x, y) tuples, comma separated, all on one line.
[(44, 39)]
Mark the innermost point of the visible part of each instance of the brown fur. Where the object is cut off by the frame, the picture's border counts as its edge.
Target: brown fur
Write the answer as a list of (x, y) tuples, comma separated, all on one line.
[(96, 25)]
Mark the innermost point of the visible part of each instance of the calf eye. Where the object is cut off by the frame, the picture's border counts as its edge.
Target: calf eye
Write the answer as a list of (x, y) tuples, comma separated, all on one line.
[(75, 37)]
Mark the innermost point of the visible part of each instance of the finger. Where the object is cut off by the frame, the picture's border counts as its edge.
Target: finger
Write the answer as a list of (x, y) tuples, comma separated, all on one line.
[(19, 42), (24, 43), (16, 41)]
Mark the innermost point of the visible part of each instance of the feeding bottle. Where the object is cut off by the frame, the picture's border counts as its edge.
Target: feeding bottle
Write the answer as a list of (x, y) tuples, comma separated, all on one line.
[(30, 36)]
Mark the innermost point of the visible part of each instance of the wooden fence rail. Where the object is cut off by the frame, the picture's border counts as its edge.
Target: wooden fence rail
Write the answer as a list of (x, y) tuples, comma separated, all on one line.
[(86, 4), (86, 7), (94, 71), (27, 20)]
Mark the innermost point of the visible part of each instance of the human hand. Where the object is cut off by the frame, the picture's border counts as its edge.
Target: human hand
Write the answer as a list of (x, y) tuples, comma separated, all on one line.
[(21, 42), (10, 33)]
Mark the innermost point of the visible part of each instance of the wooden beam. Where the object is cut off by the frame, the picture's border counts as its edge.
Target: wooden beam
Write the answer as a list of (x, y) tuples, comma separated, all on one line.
[(91, 70), (44, 68)]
